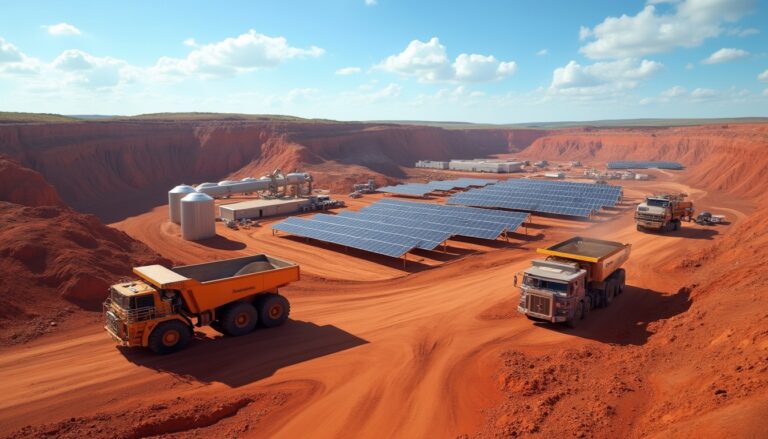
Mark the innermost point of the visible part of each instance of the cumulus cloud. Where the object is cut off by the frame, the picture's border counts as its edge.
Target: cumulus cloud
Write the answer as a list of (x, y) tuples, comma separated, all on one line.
[(348, 71), (763, 76), (601, 77), (703, 93), (725, 55), (190, 42), (84, 69), (429, 62), (62, 29), (741, 32), (674, 92), (688, 25), (244, 53), (14, 62)]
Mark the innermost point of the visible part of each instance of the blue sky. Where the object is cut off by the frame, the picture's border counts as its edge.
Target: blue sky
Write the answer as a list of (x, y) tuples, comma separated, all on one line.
[(480, 61)]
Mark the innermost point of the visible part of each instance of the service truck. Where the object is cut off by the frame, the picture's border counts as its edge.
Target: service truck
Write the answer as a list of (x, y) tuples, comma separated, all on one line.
[(663, 212), (161, 309), (577, 275)]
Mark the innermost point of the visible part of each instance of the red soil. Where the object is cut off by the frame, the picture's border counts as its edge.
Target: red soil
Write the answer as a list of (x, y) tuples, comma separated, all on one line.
[(50, 254), (436, 349)]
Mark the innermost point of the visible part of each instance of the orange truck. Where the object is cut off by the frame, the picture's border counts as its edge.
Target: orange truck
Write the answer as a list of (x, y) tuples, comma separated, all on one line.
[(663, 212), (578, 275), (160, 310)]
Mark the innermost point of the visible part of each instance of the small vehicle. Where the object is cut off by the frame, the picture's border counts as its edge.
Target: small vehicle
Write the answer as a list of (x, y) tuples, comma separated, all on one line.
[(578, 275), (704, 218), (161, 309)]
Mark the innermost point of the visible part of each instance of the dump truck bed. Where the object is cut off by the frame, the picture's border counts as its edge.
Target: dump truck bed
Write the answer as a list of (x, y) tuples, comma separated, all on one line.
[(212, 284), (602, 257)]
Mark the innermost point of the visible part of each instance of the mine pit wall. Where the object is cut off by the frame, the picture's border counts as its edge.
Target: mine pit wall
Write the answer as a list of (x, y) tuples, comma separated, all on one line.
[(726, 158), (95, 165)]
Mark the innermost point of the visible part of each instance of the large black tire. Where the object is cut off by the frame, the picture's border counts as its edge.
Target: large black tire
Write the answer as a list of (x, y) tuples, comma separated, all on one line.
[(238, 318), (677, 225), (578, 315), (273, 310), (621, 276), (169, 337), (640, 228), (610, 290)]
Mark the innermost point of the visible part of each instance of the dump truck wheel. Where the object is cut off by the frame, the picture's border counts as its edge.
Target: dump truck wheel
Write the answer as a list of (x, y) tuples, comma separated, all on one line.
[(169, 337), (578, 315), (610, 288), (239, 319), (621, 276), (273, 310), (639, 228)]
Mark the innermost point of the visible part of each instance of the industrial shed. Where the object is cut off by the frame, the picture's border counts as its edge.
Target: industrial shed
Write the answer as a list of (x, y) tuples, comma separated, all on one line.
[(254, 209)]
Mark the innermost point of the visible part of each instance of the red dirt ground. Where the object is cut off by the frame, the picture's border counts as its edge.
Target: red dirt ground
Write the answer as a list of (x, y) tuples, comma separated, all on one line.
[(437, 348)]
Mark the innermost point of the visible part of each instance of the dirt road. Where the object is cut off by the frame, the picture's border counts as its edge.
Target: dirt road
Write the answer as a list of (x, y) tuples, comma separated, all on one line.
[(372, 350)]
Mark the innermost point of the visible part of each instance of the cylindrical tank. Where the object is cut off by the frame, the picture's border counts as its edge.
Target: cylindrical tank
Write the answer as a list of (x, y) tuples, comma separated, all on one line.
[(198, 217), (174, 197)]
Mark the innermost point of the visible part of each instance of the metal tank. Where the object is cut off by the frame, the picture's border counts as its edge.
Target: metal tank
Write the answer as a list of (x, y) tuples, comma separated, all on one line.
[(174, 198), (272, 182), (198, 217)]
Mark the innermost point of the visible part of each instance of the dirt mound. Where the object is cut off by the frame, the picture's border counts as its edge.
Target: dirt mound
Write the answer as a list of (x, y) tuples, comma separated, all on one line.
[(51, 255), (24, 186)]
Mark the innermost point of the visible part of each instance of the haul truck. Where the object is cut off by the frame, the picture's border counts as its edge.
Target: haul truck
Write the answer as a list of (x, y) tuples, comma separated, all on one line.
[(663, 212), (578, 275), (161, 309)]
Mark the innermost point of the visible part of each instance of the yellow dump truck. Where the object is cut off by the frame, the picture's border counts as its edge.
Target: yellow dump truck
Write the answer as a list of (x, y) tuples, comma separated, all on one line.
[(161, 308), (578, 275)]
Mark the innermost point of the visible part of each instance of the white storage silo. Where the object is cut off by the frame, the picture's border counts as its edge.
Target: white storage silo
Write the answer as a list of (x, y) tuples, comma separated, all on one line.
[(198, 217), (174, 198)]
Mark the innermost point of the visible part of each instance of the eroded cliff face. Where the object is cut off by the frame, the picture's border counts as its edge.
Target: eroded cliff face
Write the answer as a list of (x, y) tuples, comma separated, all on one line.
[(95, 164)]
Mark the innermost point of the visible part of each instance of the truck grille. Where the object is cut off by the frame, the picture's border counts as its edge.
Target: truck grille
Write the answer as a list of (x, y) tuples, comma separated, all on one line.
[(540, 305), (649, 217)]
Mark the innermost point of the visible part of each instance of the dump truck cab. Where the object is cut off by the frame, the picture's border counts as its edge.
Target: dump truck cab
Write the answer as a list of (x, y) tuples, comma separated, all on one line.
[(551, 290)]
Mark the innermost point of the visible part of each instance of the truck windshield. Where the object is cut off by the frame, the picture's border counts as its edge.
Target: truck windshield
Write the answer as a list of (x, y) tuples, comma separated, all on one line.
[(657, 203), (131, 302), (545, 284)]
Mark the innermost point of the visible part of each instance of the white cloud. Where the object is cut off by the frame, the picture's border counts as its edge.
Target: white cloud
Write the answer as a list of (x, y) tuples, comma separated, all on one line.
[(691, 22), (703, 93), (674, 92), (601, 77), (429, 62), (741, 32), (14, 62), (84, 69), (348, 71), (542, 52), (763, 76), (190, 42), (371, 2), (244, 53), (62, 29), (725, 55), (765, 92)]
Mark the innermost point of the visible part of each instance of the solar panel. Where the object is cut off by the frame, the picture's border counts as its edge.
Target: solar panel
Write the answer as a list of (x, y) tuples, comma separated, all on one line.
[(421, 189), (512, 220), (308, 229), (426, 239), (563, 198)]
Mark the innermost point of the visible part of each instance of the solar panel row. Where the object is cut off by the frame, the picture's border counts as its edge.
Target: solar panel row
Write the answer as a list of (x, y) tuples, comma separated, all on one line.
[(393, 228), (640, 164), (562, 198), (421, 189)]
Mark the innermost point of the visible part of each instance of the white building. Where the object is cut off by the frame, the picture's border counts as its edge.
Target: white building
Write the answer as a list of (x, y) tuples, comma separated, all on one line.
[(480, 165), (431, 164)]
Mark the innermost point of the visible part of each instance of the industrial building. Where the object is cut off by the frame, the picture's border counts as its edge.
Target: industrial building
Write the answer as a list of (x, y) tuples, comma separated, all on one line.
[(253, 209), (431, 164), (481, 165)]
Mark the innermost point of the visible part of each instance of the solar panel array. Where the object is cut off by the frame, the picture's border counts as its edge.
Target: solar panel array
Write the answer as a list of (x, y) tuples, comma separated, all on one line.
[(561, 198), (645, 165), (394, 227), (421, 189)]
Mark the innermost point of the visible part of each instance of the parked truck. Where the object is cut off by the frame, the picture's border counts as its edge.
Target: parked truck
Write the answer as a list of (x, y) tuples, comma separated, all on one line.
[(161, 309), (663, 212), (578, 275)]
